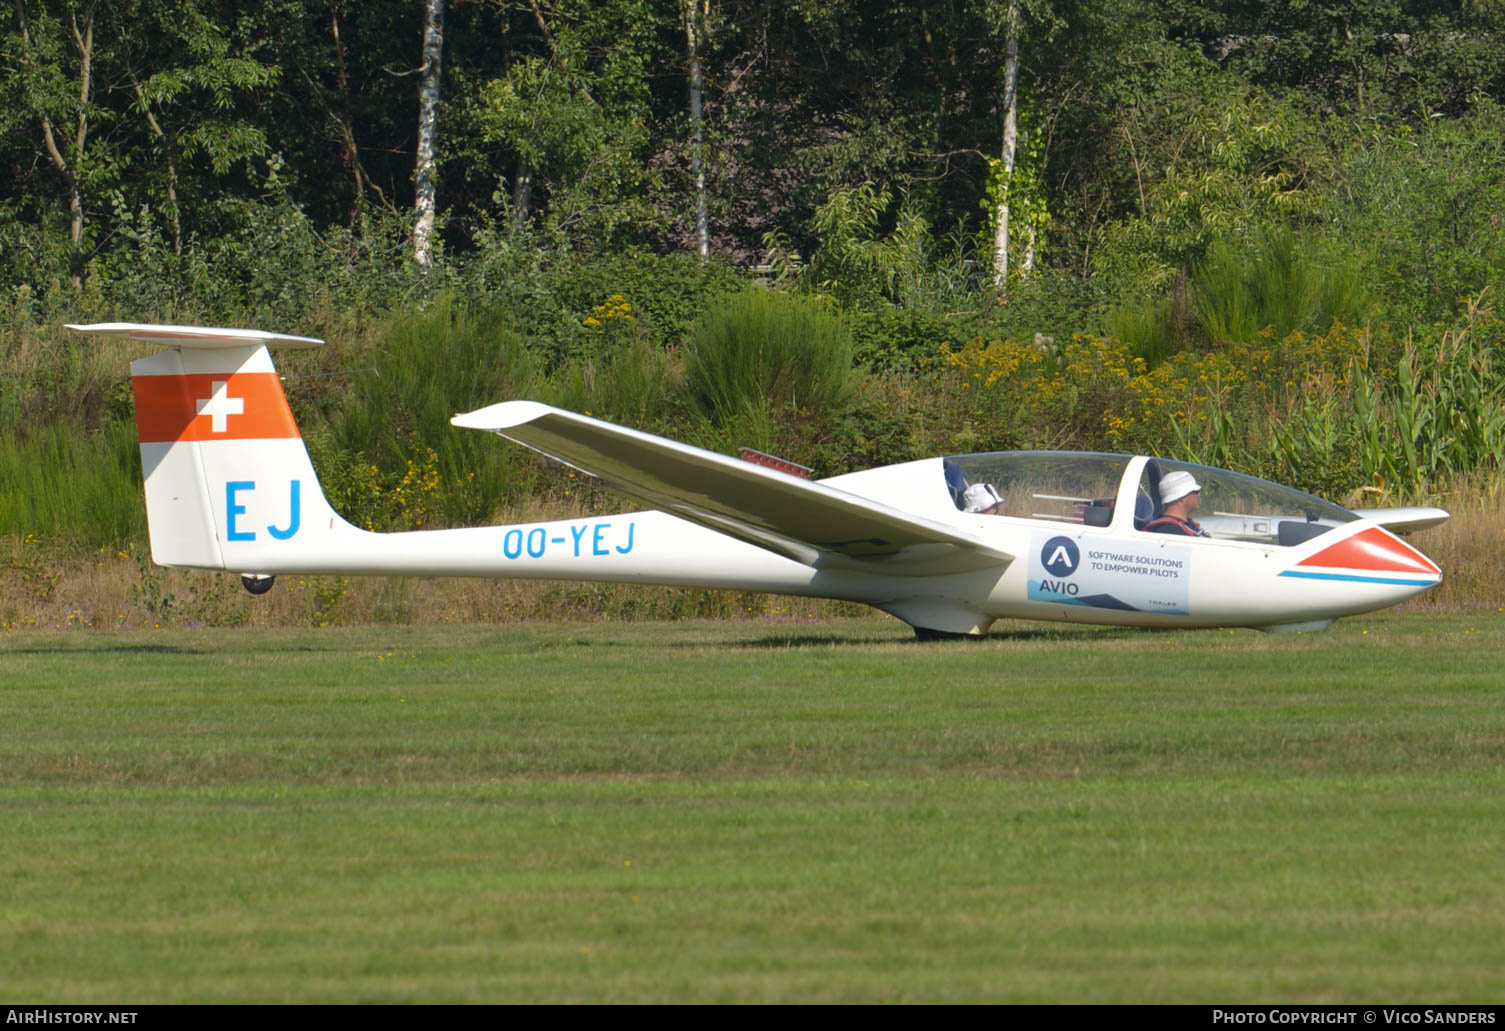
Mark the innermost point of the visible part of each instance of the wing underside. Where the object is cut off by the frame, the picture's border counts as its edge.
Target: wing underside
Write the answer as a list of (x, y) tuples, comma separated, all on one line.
[(1404, 520), (808, 522)]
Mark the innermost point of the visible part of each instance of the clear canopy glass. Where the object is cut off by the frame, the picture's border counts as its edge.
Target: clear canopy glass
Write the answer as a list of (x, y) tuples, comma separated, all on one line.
[(1082, 488)]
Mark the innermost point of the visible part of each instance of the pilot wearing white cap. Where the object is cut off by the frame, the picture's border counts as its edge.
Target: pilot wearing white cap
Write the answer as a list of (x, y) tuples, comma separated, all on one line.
[(1180, 494)]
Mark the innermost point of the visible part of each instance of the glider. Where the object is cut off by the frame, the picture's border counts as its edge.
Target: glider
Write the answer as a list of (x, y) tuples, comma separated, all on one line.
[(1064, 536)]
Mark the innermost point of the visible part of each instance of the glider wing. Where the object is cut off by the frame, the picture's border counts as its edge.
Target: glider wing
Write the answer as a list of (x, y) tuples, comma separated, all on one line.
[(197, 337), (1404, 520), (808, 522)]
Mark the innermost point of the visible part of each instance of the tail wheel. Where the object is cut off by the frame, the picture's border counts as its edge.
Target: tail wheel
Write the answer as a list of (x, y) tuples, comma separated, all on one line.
[(257, 583)]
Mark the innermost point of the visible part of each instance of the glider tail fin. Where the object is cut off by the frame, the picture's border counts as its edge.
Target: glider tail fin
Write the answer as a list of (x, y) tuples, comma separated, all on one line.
[(229, 484)]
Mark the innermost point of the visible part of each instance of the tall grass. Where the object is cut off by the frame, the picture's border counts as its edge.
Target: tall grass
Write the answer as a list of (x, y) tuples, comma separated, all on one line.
[(767, 350), (1275, 284), (1470, 547), (446, 359), (1280, 285), (48, 373), (1436, 418), (628, 380), (73, 487)]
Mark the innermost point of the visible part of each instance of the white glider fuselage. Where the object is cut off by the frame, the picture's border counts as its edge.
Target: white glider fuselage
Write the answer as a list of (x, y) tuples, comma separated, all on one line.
[(230, 486)]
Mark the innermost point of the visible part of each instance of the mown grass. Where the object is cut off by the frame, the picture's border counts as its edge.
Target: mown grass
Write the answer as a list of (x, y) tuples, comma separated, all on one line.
[(754, 812)]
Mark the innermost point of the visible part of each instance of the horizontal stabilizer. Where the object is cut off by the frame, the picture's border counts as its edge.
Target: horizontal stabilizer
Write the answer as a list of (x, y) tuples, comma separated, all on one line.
[(811, 523), (197, 336), (1404, 520)]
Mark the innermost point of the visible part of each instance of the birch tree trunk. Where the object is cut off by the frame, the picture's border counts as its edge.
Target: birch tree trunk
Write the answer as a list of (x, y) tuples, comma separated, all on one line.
[(1010, 144), (428, 115), (522, 196), (697, 18)]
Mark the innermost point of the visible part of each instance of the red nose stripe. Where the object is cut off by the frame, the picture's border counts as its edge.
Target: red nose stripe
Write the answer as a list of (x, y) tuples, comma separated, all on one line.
[(247, 406), (1373, 550)]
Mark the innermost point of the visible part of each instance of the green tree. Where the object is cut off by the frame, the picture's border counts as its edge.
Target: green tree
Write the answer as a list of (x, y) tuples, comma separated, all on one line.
[(52, 87), (192, 88), (573, 112)]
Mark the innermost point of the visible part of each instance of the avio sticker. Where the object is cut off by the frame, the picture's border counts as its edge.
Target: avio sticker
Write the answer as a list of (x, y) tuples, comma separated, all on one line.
[(1152, 575), (1060, 556)]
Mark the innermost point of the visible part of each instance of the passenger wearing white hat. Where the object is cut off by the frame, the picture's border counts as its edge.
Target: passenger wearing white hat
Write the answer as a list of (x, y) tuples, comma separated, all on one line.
[(1180, 494), (981, 498)]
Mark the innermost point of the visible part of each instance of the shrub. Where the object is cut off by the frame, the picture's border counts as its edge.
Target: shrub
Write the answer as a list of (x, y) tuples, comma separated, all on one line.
[(1275, 285), (897, 338), (554, 295), (630, 381), (1426, 208), (1280, 284), (769, 350), (446, 359)]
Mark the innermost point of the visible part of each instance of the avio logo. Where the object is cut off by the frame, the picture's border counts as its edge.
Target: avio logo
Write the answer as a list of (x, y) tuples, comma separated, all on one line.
[(1060, 556)]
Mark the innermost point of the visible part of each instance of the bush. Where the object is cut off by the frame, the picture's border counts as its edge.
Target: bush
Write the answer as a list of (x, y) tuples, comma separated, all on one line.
[(766, 350), (446, 359), (1275, 285), (1280, 284), (554, 295), (899, 338), (1426, 208), (630, 381)]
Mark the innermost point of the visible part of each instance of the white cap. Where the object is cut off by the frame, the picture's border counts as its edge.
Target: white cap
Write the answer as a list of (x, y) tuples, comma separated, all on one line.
[(980, 497), (1176, 485)]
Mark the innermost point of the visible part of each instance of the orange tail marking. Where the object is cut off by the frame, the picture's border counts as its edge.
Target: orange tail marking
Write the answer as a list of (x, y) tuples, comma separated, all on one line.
[(212, 406)]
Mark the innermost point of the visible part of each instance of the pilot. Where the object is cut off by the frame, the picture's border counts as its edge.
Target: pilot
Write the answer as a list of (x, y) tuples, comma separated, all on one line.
[(1180, 494), (981, 498)]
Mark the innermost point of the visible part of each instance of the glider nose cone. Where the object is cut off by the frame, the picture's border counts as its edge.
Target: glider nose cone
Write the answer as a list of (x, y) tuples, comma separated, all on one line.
[(1373, 556)]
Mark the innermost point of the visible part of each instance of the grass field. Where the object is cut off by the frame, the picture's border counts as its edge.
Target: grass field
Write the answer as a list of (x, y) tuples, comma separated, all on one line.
[(754, 811)]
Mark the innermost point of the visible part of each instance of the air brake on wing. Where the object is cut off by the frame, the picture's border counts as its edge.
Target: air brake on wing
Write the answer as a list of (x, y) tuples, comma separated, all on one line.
[(768, 461)]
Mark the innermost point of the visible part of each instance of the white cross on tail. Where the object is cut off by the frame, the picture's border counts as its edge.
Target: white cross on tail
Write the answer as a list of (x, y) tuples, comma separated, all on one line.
[(220, 406)]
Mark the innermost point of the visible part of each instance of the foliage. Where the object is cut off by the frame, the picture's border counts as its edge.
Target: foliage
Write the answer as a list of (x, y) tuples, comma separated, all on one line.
[(1404, 431), (72, 487), (1276, 209), (445, 359), (1023, 191), (575, 118), (1276, 284), (855, 259), (1385, 59), (629, 381), (853, 262), (1446, 410), (552, 295), (1425, 209), (1321, 412), (887, 337), (1214, 160), (769, 351)]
